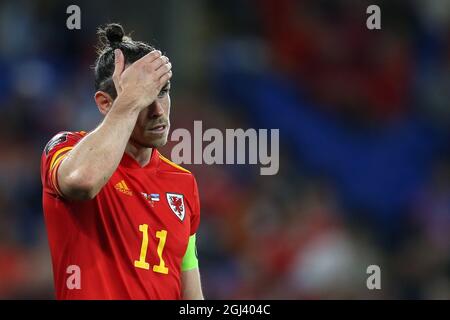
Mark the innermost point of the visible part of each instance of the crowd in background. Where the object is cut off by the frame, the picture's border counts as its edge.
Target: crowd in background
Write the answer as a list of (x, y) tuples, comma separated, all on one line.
[(364, 132)]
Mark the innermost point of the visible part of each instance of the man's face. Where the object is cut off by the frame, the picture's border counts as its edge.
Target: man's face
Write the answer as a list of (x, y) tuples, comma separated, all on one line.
[(152, 125)]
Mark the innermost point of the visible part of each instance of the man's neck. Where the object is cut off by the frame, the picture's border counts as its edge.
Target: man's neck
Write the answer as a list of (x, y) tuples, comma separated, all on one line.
[(141, 154)]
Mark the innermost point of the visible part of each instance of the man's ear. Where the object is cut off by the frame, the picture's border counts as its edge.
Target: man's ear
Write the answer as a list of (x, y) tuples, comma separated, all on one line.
[(104, 102)]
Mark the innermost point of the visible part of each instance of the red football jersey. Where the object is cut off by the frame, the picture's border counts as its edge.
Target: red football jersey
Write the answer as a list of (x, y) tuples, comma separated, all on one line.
[(129, 241)]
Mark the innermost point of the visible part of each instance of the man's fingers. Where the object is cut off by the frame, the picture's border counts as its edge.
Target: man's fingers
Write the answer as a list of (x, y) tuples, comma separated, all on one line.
[(157, 63), (165, 77), (150, 57), (152, 61), (165, 68), (119, 62)]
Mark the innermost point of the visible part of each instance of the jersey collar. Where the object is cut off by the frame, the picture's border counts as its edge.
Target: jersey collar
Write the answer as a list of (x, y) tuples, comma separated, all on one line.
[(129, 162)]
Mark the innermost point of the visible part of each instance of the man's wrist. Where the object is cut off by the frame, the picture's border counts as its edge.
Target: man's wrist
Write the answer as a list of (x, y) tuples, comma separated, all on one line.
[(126, 105)]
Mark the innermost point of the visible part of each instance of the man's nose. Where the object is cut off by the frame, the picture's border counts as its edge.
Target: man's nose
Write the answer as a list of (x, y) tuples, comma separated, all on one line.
[(156, 109)]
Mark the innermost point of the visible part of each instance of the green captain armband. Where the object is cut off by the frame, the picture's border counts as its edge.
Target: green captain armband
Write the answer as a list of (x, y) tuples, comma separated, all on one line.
[(190, 260)]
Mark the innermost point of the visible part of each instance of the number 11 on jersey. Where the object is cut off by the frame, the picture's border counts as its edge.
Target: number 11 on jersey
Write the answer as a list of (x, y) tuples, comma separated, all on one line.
[(141, 263)]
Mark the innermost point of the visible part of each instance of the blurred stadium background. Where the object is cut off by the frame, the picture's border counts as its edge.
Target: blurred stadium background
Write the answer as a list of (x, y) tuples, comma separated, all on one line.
[(364, 129)]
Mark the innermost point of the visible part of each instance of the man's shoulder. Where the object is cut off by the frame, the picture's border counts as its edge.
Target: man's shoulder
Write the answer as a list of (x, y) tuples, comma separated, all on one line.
[(170, 166), (181, 177), (63, 137)]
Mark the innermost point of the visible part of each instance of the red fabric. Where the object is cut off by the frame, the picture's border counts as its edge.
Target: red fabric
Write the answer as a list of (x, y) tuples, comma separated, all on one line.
[(102, 236)]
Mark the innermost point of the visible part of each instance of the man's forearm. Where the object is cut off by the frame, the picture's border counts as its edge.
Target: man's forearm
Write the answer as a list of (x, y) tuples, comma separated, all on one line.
[(90, 164), (191, 285)]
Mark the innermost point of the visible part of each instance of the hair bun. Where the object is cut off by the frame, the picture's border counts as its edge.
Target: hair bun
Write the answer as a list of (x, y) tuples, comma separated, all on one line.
[(114, 33)]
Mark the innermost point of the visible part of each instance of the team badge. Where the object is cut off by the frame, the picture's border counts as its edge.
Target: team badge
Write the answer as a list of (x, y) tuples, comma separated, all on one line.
[(176, 203)]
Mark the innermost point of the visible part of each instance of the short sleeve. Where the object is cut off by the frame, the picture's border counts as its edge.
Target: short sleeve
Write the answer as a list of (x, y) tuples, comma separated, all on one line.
[(55, 151), (195, 217)]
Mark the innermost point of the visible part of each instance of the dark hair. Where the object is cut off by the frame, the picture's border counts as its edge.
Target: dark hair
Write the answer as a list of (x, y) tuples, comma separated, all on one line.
[(113, 37)]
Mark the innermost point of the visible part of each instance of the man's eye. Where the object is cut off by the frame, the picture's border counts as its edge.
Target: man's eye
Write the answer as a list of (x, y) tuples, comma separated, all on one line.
[(163, 92)]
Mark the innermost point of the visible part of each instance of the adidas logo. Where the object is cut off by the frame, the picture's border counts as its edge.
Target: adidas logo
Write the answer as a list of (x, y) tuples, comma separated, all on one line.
[(122, 187)]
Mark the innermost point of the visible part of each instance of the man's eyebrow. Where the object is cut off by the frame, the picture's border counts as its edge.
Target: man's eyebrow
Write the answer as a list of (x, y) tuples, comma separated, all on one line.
[(167, 85)]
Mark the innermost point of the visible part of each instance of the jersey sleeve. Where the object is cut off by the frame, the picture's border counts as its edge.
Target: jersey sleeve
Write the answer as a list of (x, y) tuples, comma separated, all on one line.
[(55, 151), (195, 218)]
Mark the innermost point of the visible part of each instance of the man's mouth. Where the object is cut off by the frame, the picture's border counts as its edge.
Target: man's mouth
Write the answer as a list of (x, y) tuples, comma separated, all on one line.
[(158, 129)]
